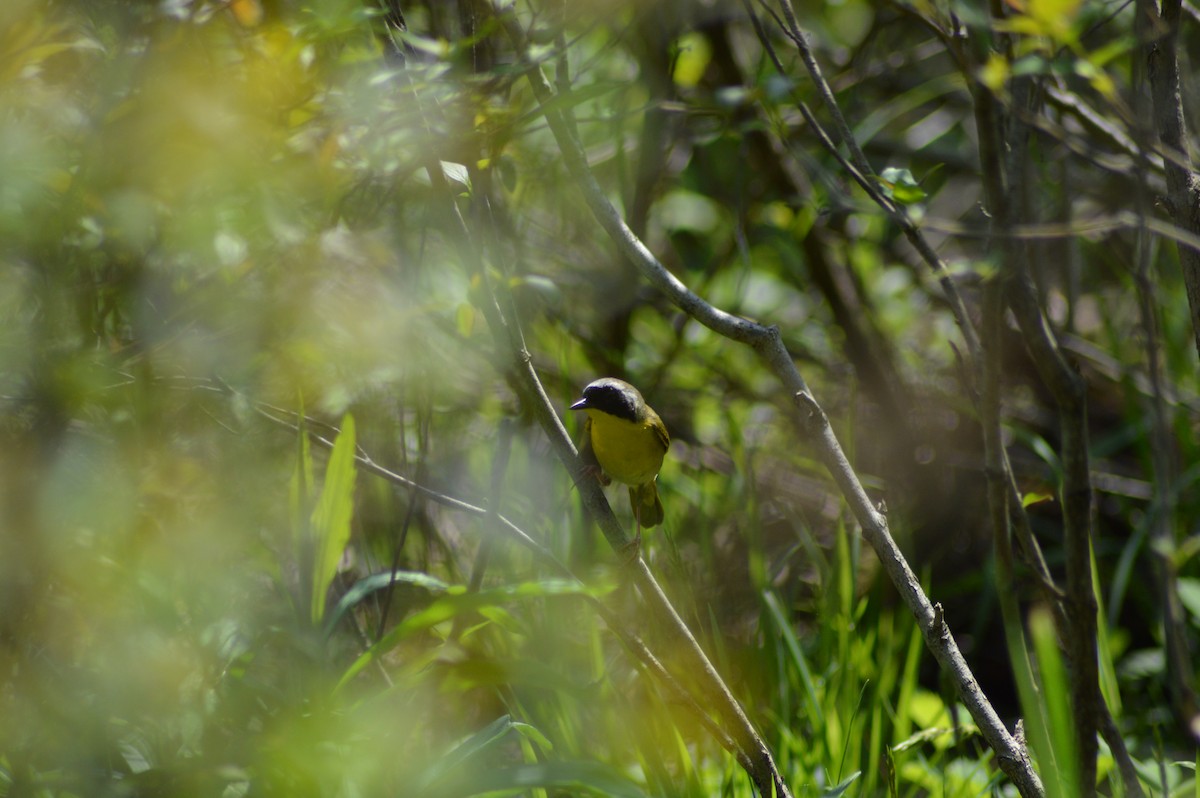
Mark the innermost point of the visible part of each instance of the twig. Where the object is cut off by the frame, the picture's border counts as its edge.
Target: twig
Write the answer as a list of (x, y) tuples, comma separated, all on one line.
[(1095, 226), (824, 90), (997, 473)]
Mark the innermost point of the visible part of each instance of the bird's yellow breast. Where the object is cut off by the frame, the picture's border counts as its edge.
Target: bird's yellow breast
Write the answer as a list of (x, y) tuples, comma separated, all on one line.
[(628, 451)]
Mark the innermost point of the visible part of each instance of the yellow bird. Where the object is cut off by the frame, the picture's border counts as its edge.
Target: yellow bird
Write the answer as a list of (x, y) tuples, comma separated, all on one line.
[(627, 440)]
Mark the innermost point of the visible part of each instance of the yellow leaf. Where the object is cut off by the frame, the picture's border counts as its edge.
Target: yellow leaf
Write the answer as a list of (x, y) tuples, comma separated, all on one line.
[(248, 13), (1035, 497), (994, 74)]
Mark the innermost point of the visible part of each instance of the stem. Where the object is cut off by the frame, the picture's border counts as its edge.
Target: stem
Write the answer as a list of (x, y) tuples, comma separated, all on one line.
[(1160, 32)]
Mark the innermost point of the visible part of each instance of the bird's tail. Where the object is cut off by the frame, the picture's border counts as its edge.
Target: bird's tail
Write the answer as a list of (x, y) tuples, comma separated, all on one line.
[(646, 504)]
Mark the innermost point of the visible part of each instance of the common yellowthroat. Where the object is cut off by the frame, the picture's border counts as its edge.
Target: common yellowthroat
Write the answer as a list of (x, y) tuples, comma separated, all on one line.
[(627, 440)]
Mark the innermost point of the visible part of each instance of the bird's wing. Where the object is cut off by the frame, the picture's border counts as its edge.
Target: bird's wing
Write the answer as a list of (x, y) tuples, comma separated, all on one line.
[(587, 455), (660, 431)]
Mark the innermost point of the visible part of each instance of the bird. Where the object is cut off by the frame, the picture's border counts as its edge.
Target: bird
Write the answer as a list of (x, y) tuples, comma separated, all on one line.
[(627, 441)]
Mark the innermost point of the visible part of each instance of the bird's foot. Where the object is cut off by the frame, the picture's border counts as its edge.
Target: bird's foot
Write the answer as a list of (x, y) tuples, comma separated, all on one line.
[(631, 552)]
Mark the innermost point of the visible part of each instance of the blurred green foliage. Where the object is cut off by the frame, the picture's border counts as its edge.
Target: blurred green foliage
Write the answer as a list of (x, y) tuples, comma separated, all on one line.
[(217, 215)]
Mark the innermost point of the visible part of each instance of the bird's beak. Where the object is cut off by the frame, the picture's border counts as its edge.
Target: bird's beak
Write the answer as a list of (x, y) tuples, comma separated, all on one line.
[(580, 405)]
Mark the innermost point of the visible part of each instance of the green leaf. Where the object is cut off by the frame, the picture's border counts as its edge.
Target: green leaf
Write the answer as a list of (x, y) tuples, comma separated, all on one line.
[(920, 738), (843, 785), (464, 319), (1056, 18), (506, 167), (928, 710), (436, 48), (1032, 64), (375, 582), (301, 485), (567, 777), (1062, 777), (793, 646), (693, 53), (467, 769), (1045, 451), (534, 735), (688, 211), (995, 73), (1035, 497), (901, 186), (458, 601), (331, 517), (456, 173), (471, 748), (300, 491), (1189, 596)]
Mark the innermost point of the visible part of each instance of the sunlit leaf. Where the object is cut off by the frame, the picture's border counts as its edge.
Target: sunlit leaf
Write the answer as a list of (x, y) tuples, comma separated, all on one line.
[(376, 582), (331, 517), (901, 186), (576, 777), (464, 317), (456, 602), (693, 54), (471, 748), (534, 735), (457, 172), (249, 13), (1055, 692), (1035, 497), (995, 72), (843, 785), (1189, 596)]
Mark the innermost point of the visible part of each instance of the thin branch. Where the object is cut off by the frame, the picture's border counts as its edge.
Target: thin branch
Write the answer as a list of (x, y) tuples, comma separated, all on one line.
[(1046, 231), (1072, 103), (824, 90), (1003, 514)]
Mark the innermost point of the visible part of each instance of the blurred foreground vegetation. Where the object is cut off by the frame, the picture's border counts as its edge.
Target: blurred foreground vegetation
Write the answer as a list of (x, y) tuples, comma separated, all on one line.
[(226, 232)]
